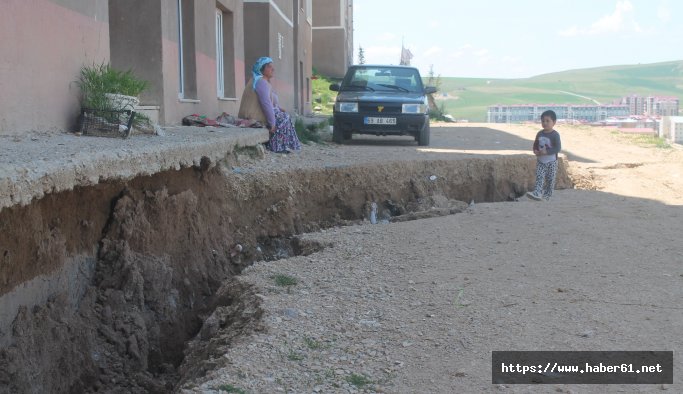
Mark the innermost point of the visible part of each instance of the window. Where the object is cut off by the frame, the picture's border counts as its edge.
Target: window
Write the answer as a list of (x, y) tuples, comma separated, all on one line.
[(187, 68), (280, 45), (220, 83), (225, 54), (181, 68)]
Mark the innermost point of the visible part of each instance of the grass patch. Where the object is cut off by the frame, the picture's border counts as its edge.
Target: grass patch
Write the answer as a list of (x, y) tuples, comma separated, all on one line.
[(650, 140), (312, 343), (457, 301), (97, 80), (231, 389), (294, 356), (285, 280), (358, 380)]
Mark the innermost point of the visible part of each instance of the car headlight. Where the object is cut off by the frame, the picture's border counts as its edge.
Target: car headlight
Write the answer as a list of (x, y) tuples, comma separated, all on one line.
[(414, 108), (342, 106)]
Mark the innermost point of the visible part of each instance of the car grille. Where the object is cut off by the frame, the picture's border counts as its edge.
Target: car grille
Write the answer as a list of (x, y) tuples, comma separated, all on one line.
[(367, 108)]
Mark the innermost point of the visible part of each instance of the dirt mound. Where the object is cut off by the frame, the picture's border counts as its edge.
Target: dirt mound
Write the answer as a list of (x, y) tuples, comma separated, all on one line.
[(149, 297)]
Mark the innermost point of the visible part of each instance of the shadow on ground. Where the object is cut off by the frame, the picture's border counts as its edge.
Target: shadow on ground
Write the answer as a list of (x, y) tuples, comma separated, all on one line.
[(461, 138)]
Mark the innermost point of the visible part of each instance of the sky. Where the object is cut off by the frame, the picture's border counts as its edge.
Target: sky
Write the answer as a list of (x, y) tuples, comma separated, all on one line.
[(517, 38)]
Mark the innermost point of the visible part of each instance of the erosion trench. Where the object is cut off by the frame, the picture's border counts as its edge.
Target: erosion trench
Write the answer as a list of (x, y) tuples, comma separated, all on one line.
[(133, 287)]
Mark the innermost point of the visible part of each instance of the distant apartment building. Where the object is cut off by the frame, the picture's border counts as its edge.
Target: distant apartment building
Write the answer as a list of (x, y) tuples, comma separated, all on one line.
[(651, 105), (665, 106), (332, 36), (671, 129), (532, 112)]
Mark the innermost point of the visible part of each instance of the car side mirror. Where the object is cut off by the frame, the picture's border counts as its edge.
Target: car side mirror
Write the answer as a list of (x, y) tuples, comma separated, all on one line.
[(430, 89), (334, 87)]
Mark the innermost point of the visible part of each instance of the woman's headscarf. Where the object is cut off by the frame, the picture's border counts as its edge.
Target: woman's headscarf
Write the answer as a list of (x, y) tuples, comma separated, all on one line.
[(256, 70)]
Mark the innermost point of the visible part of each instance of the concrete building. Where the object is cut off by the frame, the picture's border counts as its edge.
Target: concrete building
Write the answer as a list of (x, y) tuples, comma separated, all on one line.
[(170, 43), (332, 36), (651, 105), (671, 129), (663, 106), (196, 55), (636, 104), (532, 112)]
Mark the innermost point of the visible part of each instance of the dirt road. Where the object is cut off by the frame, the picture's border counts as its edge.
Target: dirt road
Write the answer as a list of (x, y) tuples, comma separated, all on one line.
[(417, 307)]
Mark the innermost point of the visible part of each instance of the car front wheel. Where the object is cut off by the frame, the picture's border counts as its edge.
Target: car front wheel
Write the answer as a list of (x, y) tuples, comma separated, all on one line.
[(337, 133), (423, 137)]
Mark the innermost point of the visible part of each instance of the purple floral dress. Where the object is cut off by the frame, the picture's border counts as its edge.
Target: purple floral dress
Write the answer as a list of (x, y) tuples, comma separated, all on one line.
[(284, 139)]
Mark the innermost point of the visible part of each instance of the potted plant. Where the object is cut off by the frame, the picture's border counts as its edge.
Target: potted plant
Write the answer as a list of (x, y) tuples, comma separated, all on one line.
[(110, 94)]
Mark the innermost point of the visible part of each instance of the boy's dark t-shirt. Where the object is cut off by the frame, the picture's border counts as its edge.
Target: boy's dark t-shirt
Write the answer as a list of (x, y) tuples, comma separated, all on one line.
[(551, 142)]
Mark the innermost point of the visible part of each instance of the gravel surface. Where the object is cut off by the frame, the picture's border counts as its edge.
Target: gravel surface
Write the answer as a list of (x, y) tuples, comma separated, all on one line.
[(417, 307), (35, 164), (449, 143)]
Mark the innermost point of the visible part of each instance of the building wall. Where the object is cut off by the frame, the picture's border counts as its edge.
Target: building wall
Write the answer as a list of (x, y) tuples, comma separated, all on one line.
[(677, 136), (671, 129), (666, 107), (269, 31), (43, 45), (328, 58), (307, 38), (129, 52), (201, 92), (256, 34), (282, 52), (663, 129), (37, 89), (332, 36), (303, 40), (349, 31)]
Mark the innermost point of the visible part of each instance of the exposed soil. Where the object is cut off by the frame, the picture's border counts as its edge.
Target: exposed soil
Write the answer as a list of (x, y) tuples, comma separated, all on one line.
[(165, 309), (162, 304)]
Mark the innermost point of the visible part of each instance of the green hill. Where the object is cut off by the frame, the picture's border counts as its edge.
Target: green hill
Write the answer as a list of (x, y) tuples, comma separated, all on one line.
[(468, 98)]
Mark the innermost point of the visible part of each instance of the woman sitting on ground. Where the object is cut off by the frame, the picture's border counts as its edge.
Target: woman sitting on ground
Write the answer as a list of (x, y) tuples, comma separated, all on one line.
[(260, 102)]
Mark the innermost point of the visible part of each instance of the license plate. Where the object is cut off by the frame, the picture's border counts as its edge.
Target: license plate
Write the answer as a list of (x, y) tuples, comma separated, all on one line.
[(373, 120)]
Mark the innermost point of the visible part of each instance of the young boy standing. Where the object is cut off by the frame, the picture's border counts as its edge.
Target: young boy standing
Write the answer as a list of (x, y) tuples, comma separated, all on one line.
[(546, 147)]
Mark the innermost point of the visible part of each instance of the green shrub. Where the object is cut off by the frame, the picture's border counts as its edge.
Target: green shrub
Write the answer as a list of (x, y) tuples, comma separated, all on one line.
[(285, 280), (358, 380), (97, 80), (322, 95), (438, 113), (231, 389), (306, 134)]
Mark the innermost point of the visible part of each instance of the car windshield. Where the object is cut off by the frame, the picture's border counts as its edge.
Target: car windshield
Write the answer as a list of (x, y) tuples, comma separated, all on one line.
[(374, 78)]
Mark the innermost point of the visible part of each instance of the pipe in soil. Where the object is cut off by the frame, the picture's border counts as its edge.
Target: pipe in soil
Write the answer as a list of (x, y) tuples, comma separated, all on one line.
[(130, 287)]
